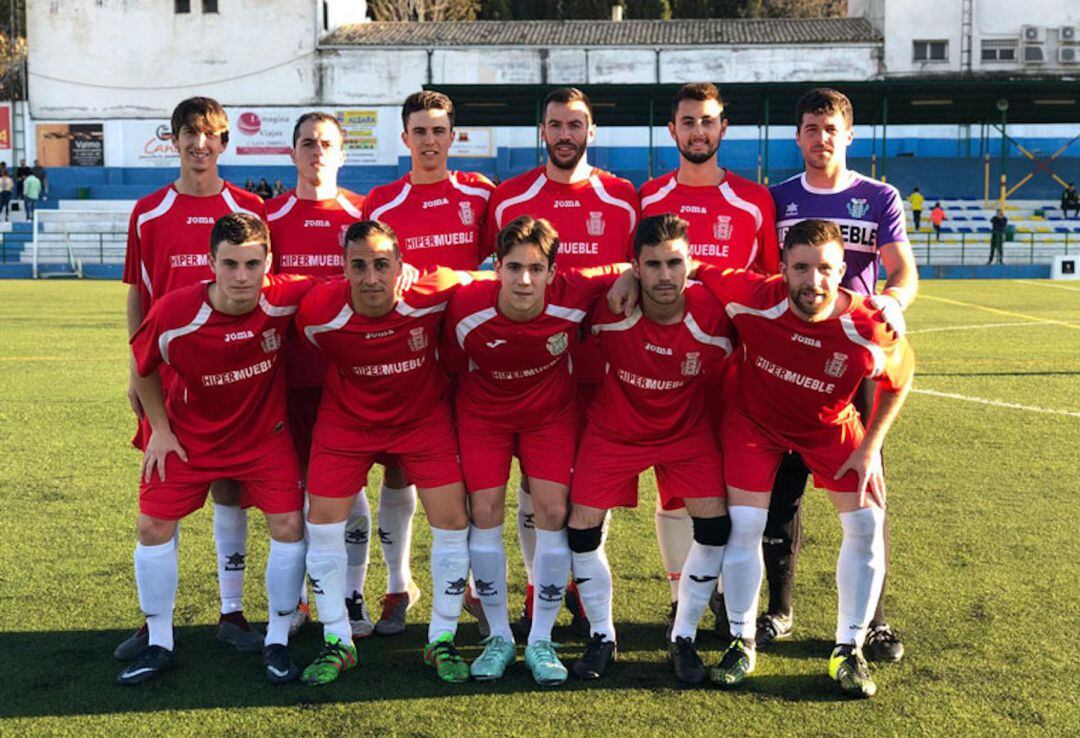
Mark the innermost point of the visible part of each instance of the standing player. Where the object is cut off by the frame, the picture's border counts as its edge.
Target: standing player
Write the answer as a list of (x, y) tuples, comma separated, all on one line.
[(595, 213), (807, 345), (871, 218), (438, 216), (307, 225), (222, 416), (515, 396), (166, 249), (385, 394), (649, 412), (732, 224)]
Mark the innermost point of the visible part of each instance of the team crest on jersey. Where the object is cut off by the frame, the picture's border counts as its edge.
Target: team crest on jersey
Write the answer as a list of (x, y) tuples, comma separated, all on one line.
[(792, 209), (595, 224), (270, 341), (468, 217), (858, 207), (341, 235), (557, 344), (837, 365), (721, 229), (691, 365), (418, 340)]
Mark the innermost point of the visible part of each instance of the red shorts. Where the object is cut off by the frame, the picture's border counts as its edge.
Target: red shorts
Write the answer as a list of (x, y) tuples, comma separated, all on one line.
[(606, 470), (302, 408), (546, 451), (271, 484), (752, 453), (341, 459)]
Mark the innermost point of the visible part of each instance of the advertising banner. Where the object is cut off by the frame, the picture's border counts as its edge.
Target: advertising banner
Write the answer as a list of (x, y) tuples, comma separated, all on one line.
[(5, 126), (473, 142), (148, 143), (70, 144)]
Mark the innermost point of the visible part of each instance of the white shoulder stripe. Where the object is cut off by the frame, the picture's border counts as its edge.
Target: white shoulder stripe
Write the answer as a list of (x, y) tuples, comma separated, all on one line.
[(474, 191), (703, 337), (875, 351), (348, 207), (528, 194), (623, 325), (378, 212), (146, 279), (275, 311), (169, 336), (161, 208), (282, 211), (464, 277), (572, 314), (471, 322), (598, 186), (660, 194), (337, 323), (754, 210), (734, 308), (234, 206), (405, 308)]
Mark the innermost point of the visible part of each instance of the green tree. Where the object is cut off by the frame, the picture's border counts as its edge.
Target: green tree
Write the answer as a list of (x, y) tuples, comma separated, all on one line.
[(496, 10), (647, 9)]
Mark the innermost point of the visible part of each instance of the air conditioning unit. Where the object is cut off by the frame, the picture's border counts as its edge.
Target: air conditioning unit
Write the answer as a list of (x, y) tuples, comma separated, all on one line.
[(1033, 34), (1034, 55), (1068, 54), (1068, 34)]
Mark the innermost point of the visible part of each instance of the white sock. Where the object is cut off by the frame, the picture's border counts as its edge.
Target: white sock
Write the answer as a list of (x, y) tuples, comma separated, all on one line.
[(487, 557), (526, 531), (674, 533), (326, 561), (396, 510), (303, 582), (695, 587), (230, 537), (156, 576), (284, 573), (552, 564), (593, 578), (743, 567), (860, 570), (357, 545), (449, 572)]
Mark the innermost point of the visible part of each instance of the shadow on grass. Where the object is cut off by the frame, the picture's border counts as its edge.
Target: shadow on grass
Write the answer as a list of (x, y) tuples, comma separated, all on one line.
[(73, 672)]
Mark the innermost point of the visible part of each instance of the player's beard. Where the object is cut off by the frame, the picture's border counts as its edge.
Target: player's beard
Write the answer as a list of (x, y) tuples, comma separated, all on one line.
[(700, 157), (572, 162), (803, 297)]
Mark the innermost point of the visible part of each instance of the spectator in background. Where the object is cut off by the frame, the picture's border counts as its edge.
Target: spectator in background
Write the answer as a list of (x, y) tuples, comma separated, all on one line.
[(998, 225), (249, 185), (1070, 200), (916, 199), (31, 194), (7, 189), (20, 175), (937, 217), (263, 189), (43, 177), (279, 188)]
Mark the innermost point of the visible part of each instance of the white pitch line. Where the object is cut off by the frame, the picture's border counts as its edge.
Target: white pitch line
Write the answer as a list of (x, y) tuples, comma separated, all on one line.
[(983, 325), (1048, 284), (996, 403)]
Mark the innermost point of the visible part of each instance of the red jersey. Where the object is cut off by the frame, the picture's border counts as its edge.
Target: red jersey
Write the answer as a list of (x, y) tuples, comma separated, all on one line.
[(654, 385), (793, 375), (519, 374), (306, 237), (226, 391), (168, 242), (384, 371), (731, 225), (595, 219), (437, 224)]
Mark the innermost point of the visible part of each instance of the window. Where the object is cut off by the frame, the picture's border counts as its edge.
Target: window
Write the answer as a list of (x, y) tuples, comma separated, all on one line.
[(209, 6), (999, 51), (930, 51), (183, 6)]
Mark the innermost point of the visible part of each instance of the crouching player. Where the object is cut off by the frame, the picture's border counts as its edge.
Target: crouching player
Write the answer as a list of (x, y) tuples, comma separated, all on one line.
[(224, 419), (807, 345), (515, 395), (649, 412), (384, 394)]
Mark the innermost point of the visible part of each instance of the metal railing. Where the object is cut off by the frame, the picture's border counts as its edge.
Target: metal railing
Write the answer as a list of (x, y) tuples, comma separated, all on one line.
[(974, 248)]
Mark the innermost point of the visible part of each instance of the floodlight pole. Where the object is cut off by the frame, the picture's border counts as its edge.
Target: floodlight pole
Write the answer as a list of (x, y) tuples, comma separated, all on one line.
[(1003, 106), (884, 134), (766, 150)]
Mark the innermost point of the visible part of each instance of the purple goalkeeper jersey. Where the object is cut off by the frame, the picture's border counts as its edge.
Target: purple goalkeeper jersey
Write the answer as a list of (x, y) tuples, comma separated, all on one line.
[(870, 214)]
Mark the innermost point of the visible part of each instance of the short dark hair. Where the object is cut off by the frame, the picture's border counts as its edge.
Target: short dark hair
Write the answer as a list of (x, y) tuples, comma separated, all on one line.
[(824, 101), (426, 100), (365, 229), (811, 232), (318, 116), (658, 229), (238, 228), (527, 229), (701, 91), (203, 114), (565, 96)]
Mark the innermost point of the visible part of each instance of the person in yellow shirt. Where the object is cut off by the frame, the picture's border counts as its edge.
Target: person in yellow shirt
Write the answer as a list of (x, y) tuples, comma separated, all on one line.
[(916, 199)]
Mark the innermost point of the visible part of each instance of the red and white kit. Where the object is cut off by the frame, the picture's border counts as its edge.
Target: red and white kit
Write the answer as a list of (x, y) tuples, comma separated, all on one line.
[(795, 380), (439, 224)]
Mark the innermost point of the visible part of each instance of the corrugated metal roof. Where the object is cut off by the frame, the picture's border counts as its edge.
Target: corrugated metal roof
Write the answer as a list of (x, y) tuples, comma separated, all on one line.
[(652, 33)]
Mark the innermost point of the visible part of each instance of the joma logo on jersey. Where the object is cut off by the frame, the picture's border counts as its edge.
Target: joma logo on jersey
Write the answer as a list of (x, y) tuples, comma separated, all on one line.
[(418, 340), (435, 203), (722, 228), (238, 336), (379, 334), (310, 223), (199, 220), (836, 365), (568, 203), (692, 209), (595, 224), (799, 338), (468, 217), (270, 341), (792, 209), (658, 349)]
